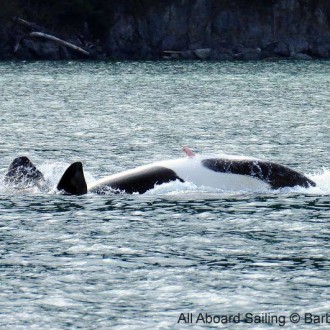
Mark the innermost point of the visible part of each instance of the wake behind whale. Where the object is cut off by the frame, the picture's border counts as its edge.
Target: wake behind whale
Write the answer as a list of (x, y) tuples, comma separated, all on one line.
[(225, 173)]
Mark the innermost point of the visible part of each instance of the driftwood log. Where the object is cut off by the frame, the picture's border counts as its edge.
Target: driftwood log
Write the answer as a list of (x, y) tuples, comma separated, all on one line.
[(59, 41), (29, 25), (46, 36)]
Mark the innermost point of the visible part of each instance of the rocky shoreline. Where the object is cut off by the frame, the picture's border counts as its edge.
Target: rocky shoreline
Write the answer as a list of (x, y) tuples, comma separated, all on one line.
[(180, 29)]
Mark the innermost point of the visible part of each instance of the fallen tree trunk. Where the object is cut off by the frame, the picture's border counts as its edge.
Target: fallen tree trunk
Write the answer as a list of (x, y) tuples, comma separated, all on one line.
[(29, 25), (59, 41)]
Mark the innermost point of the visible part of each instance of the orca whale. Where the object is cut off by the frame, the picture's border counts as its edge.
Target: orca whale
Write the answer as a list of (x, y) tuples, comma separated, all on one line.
[(22, 173), (227, 173)]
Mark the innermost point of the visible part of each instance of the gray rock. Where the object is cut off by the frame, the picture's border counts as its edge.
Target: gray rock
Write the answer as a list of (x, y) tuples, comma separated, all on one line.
[(42, 49), (199, 27), (226, 21), (203, 53), (321, 47), (322, 51), (48, 50), (200, 24), (64, 53), (216, 56), (282, 49), (249, 55), (299, 45), (23, 53), (253, 54), (301, 56), (188, 55), (153, 27), (31, 45), (144, 29)]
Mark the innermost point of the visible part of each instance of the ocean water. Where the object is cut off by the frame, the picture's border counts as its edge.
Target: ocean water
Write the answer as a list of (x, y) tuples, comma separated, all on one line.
[(148, 261)]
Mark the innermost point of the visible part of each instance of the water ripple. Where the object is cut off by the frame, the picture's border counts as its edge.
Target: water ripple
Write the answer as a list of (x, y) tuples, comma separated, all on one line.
[(137, 262)]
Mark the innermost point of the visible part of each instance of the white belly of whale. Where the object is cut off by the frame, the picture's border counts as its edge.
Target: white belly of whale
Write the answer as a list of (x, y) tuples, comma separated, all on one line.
[(191, 170)]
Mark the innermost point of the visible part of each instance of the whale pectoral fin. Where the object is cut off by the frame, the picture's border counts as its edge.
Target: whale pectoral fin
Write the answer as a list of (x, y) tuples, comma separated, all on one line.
[(188, 152), (73, 180)]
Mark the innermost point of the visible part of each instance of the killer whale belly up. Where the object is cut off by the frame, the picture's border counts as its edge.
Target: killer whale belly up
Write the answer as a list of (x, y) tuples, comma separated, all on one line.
[(220, 173), (225, 173)]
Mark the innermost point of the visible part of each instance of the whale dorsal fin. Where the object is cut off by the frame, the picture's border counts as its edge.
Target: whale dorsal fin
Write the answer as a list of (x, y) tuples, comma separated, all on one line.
[(73, 180)]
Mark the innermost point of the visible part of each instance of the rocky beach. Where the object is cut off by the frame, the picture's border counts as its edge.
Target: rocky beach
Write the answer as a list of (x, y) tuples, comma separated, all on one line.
[(177, 29)]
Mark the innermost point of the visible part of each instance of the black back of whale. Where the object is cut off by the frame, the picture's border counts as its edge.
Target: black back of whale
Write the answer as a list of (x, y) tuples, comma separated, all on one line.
[(139, 182), (276, 175), (73, 181)]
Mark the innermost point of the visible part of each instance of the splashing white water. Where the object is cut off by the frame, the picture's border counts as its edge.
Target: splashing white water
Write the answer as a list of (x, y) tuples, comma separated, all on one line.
[(53, 173), (322, 180)]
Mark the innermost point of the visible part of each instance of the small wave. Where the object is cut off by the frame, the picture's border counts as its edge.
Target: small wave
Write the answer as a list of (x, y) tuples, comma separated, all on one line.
[(174, 188), (53, 173)]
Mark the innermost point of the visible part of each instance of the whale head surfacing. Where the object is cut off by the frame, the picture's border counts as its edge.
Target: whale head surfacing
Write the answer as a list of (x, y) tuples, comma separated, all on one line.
[(23, 174)]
